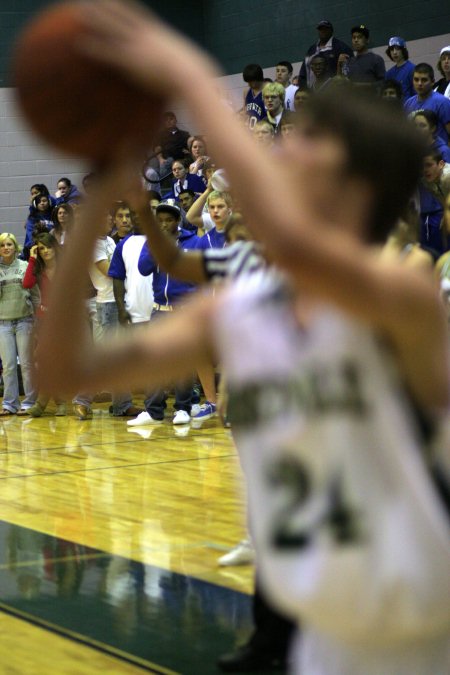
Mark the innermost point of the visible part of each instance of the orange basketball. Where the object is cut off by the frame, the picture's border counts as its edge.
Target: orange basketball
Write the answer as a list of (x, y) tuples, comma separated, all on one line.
[(73, 102)]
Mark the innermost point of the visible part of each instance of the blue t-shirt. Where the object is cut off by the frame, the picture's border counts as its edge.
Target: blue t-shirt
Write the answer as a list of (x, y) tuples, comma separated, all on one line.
[(404, 75), (166, 289), (212, 239), (443, 148), (438, 104)]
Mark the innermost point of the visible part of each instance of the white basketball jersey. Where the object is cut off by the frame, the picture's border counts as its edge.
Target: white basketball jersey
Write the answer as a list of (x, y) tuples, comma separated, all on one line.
[(351, 535)]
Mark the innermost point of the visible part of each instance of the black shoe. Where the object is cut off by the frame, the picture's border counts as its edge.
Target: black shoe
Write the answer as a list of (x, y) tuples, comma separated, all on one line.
[(247, 660)]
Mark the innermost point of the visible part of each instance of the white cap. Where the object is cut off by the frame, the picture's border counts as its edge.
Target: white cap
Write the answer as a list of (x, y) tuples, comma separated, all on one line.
[(445, 50)]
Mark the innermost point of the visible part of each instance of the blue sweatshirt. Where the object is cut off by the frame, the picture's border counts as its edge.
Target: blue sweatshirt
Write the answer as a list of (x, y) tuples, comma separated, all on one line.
[(166, 289)]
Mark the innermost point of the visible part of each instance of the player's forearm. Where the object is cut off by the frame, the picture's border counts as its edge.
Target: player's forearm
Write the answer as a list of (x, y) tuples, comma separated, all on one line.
[(63, 341), (163, 249)]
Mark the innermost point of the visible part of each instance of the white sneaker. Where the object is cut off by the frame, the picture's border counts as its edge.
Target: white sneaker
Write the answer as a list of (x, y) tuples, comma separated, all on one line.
[(142, 419), (195, 409), (242, 554), (181, 417)]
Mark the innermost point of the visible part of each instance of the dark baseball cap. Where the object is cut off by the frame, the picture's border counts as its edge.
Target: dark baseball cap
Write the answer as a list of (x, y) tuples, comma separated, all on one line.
[(361, 29), (325, 24)]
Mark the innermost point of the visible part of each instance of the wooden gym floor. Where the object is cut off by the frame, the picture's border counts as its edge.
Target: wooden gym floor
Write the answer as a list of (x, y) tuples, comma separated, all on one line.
[(109, 540)]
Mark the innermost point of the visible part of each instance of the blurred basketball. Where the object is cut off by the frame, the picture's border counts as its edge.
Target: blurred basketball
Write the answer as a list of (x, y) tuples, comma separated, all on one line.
[(219, 181), (76, 104)]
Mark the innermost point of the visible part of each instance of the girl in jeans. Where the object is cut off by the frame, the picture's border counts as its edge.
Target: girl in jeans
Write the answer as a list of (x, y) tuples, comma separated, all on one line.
[(16, 327)]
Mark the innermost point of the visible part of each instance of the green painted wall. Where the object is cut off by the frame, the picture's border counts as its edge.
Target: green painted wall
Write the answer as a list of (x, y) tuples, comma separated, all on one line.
[(187, 15), (264, 31)]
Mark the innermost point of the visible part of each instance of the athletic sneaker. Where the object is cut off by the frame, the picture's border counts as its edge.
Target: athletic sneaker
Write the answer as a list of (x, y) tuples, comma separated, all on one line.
[(195, 409), (205, 411), (142, 419), (242, 554), (181, 417)]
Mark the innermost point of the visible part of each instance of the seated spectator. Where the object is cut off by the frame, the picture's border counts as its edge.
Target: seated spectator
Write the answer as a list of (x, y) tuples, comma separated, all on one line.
[(402, 71), (283, 74), (329, 47), (88, 182), (443, 264), (301, 96), (199, 155), (427, 99), (171, 144), (426, 122), (365, 67), (253, 100), (273, 97), (186, 199), (264, 133), (433, 189), (67, 192), (184, 180), (154, 198), (40, 189), (442, 86), (40, 212), (62, 218), (288, 123), (392, 90)]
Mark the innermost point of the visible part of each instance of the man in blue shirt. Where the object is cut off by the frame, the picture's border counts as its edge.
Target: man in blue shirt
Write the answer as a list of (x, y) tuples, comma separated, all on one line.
[(402, 71), (427, 99), (167, 292)]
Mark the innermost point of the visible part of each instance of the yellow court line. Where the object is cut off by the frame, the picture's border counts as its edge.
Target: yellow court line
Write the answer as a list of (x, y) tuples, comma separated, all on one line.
[(108, 649)]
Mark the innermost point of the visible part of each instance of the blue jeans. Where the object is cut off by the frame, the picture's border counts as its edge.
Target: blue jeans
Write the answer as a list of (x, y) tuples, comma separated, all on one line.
[(155, 403), (16, 340), (107, 320)]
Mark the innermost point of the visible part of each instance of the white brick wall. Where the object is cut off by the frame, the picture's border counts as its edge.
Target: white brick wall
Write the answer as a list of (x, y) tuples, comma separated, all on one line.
[(24, 160)]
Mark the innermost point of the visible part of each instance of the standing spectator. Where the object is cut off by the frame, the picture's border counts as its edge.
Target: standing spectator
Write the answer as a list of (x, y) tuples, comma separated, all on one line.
[(122, 221), (443, 85), (283, 74), (427, 99), (319, 68), (273, 97), (107, 324), (365, 67), (167, 292), (40, 271), (253, 101), (402, 70), (172, 142), (329, 47), (17, 305)]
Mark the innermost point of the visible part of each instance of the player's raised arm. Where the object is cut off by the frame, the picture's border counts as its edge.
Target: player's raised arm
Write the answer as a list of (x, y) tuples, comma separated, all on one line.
[(334, 184)]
